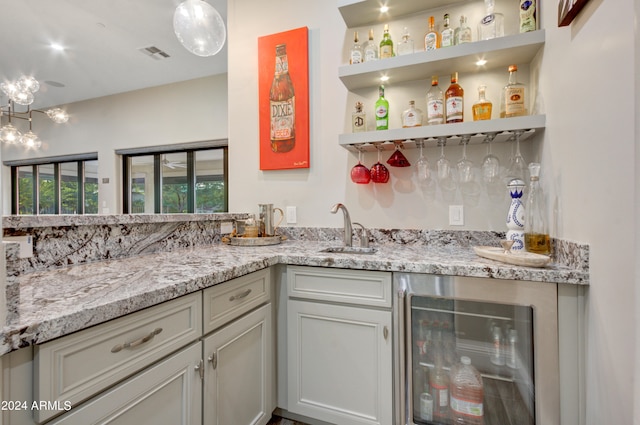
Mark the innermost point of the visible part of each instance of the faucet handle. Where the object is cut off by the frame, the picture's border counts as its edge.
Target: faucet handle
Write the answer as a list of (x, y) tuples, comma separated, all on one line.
[(364, 236)]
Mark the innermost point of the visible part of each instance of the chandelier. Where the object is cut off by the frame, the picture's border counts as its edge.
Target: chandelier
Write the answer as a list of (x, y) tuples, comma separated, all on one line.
[(21, 92), (199, 27)]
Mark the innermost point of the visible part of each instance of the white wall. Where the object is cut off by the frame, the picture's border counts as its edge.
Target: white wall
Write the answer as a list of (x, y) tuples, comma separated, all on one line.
[(588, 154), (189, 111)]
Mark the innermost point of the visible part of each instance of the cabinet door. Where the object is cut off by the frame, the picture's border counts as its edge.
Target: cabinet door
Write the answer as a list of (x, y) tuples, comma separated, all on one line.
[(340, 363), (169, 393), (239, 386)]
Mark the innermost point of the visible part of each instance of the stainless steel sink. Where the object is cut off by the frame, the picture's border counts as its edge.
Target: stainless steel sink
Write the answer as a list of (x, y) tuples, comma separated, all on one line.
[(350, 250)]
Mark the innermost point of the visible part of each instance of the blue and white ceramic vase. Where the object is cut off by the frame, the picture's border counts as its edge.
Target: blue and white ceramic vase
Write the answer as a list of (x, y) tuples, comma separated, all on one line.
[(515, 217)]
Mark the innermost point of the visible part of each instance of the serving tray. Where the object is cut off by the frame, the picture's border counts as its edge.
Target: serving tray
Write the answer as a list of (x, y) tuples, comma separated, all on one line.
[(264, 241), (528, 259)]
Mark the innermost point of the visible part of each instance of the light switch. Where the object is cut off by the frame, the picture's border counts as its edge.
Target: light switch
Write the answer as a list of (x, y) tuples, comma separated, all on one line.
[(456, 215), (292, 215)]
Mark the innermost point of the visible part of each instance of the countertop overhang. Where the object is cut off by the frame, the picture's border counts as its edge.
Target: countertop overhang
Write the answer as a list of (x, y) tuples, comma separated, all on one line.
[(50, 304)]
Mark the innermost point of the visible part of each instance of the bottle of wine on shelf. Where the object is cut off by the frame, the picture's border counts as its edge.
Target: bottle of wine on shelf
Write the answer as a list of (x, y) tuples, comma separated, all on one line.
[(412, 117), (405, 47), (370, 49), (359, 119), (463, 32), (482, 108), (454, 101), (492, 24), (386, 45), (527, 15), (356, 50), (435, 103), (448, 38), (433, 38), (513, 98), (382, 111)]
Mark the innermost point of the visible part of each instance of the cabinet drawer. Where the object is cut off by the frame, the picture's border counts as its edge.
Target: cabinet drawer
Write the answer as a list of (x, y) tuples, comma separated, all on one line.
[(360, 287), (229, 300), (75, 367)]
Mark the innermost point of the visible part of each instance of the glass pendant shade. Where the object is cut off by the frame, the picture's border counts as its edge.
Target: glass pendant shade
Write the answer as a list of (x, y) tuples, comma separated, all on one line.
[(199, 27), (30, 140), (23, 97), (57, 115), (29, 84), (10, 135), (8, 88)]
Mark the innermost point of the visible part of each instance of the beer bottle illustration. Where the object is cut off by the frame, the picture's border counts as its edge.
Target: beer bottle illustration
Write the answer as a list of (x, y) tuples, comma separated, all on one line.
[(282, 102)]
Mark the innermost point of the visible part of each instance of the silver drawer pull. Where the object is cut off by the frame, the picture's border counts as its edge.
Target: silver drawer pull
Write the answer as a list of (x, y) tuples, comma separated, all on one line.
[(137, 342), (240, 296), (385, 333)]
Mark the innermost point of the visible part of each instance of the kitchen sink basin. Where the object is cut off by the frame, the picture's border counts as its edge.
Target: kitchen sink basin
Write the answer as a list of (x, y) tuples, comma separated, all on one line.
[(350, 250)]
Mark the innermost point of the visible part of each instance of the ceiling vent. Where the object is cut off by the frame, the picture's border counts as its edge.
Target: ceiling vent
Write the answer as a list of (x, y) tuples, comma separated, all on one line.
[(154, 52)]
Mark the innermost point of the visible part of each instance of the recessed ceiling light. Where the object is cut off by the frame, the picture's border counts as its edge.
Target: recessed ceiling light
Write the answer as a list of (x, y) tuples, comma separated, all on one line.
[(384, 78), (54, 84), (481, 62), (56, 46), (384, 9)]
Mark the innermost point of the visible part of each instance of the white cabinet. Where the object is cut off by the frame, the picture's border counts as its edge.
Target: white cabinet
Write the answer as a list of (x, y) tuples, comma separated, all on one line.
[(168, 393), (239, 387), (340, 355)]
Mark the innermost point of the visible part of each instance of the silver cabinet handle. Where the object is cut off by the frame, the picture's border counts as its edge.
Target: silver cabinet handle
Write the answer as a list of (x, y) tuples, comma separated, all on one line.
[(385, 333), (200, 369), (214, 360), (137, 342), (240, 296)]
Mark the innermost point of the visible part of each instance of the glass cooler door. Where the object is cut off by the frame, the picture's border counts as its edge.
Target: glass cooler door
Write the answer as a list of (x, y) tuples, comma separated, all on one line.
[(495, 339)]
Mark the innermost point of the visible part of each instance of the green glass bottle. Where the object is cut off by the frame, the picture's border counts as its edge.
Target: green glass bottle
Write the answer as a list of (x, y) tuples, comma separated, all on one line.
[(386, 44), (382, 111)]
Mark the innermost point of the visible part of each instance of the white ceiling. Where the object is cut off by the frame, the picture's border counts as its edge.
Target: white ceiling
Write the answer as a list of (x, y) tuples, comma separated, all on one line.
[(102, 39)]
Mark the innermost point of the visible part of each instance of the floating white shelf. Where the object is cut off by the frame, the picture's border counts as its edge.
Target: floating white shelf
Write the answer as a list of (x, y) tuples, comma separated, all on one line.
[(357, 13)]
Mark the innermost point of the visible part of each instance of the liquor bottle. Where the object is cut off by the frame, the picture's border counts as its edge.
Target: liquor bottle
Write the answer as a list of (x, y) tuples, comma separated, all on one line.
[(463, 32), (356, 50), (382, 111), (454, 101), (482, 108), (405, 47), (439, 389), (448, 38), (412, 117), (370, 49), (527, 15), (359, 119), (536, 236), (386, 45), (513, 98), (433, 38), (492, 24), (282, 101), (435, 103)]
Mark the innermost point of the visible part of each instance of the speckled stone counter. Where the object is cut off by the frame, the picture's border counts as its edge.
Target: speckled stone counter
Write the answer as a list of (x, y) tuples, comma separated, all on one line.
[(56, 302)]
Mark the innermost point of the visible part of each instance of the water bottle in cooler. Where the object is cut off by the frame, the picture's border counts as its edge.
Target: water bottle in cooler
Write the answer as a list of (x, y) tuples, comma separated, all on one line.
[(466, 394)]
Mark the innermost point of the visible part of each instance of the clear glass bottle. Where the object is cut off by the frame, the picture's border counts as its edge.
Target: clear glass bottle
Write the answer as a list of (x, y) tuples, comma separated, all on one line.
[(433, 39), (435, 103), (359, 119), (282, 101), (382, 111), (356, 55), (513, 98), (411, 117), (482, 108), (370, 49), (454, 101), (492, 24), (439, 388), (447, 35), (528, 15), (536, 235), (405, 46), (463, 32), (386, 44), (467, 394)]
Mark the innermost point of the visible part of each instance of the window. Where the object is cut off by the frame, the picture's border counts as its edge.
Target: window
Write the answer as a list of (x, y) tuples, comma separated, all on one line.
[(60, 185), (192, 179)]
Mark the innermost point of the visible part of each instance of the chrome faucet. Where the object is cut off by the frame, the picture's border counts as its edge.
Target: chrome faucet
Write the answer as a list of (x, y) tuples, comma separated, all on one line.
[(347, 223)]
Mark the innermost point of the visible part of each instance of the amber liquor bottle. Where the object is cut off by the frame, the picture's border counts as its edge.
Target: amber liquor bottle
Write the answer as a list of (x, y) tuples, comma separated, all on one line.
[(454, 101), (282, 102)]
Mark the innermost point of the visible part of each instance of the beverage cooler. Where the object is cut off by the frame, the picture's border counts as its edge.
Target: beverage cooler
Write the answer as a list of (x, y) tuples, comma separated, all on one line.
[(476, 351)]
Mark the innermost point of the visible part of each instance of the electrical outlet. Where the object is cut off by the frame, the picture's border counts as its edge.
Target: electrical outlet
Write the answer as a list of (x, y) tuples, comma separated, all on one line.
[(456, 215), (292, 215)]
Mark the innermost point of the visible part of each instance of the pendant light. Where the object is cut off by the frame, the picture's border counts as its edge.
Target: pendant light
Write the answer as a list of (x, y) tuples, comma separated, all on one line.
[(199, 27)]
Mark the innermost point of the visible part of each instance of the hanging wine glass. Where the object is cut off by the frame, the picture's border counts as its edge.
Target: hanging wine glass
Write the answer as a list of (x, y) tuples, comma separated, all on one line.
[(424, 174), (490, 163), (518, 167), (443, 166), (379, 173), (359, 173), (397, 158), (465, 165)]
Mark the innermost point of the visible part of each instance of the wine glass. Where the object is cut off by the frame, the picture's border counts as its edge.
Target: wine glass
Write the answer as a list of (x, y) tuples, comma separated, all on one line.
[(464, 165), (443, 167), (490, 163), (359, 173), (517, 167), (424, 174), (379, 173)]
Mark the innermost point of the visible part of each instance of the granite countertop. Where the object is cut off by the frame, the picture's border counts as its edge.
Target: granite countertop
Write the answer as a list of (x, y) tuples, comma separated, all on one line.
[(54, 303)]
